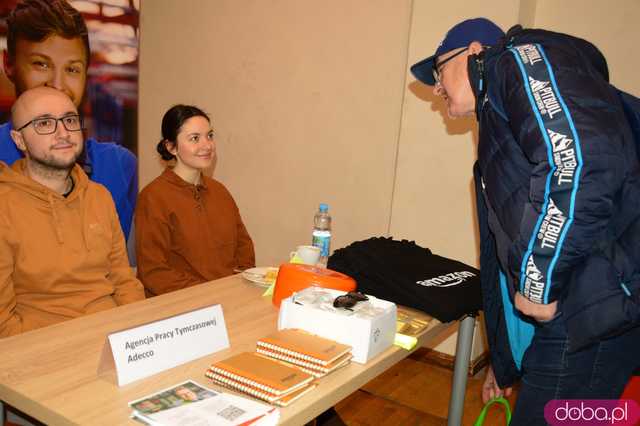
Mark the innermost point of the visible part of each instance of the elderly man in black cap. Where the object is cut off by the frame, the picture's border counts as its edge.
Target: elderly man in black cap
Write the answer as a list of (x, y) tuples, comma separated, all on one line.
[(558, 190)]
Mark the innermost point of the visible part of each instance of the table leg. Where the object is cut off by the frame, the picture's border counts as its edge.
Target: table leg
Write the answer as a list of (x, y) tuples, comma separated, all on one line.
[(461, 370)]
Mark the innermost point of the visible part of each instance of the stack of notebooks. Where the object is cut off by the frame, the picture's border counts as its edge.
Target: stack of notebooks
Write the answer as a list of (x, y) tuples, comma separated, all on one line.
[(284, 367), (312, 354), (261, 377)]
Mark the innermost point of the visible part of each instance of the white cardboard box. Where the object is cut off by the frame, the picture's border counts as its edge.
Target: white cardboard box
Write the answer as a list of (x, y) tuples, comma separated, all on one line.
[(367, 335)]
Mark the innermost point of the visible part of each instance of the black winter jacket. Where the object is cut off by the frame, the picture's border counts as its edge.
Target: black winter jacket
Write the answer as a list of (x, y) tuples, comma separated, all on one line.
[(558, 185)]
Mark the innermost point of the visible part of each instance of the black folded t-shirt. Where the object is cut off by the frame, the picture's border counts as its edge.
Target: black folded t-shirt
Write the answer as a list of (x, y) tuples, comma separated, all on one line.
[(407, 274)]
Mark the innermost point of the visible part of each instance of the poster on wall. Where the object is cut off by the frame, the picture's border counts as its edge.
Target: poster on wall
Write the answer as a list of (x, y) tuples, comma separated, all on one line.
[(106, 92)]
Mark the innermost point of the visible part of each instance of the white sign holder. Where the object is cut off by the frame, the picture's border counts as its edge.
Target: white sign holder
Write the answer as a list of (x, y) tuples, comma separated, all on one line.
[(151, 348)]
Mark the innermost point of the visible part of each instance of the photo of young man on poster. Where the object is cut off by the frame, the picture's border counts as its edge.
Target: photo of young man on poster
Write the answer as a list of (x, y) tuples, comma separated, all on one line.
[(48, 43)]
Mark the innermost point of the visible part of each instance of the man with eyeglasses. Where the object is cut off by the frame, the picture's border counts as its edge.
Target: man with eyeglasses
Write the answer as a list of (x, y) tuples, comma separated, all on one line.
[(62, 253), (48, 45), (558, 190)]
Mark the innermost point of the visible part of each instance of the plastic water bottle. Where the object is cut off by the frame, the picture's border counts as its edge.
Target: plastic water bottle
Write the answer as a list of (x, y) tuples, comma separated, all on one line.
[(322, 232)]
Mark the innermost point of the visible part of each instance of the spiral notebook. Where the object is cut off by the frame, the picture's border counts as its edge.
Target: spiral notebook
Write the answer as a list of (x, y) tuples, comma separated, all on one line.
[(279, 400), (303, 345), (262, 373), (313, 368)]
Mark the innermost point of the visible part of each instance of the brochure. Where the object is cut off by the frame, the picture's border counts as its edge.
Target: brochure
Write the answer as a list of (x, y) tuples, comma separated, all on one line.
[(191, 404)]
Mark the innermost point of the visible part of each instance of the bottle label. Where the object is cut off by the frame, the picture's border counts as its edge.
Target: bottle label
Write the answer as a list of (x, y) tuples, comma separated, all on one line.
[(322, 241)]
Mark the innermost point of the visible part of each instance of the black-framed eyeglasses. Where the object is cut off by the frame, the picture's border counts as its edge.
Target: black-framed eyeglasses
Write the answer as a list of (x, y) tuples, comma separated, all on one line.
[(49, 125), (349, 300), (437, 67)]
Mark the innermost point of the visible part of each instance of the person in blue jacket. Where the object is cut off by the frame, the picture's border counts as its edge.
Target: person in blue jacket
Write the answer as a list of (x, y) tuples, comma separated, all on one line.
[(558, 191), (48, 45)]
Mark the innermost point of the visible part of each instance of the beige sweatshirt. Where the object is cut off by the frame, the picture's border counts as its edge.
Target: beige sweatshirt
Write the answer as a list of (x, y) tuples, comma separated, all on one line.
[(60, 258)]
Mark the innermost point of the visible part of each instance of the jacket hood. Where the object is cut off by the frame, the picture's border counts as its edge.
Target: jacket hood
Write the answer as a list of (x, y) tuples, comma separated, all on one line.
[(573, 45), (17, 178)]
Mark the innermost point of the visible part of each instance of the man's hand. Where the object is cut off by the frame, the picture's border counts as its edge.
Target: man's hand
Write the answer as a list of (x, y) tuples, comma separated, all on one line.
[(537, 311), (490, 388)]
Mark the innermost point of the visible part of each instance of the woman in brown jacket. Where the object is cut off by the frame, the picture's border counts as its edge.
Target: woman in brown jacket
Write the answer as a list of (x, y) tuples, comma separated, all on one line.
[(188, 227)]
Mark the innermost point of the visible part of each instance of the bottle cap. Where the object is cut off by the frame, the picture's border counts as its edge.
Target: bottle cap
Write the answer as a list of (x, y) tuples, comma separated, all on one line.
[(324, 207)]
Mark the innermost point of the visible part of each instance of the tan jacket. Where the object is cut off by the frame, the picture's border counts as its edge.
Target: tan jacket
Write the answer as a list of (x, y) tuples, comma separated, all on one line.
[(60, 258), (187, 234)]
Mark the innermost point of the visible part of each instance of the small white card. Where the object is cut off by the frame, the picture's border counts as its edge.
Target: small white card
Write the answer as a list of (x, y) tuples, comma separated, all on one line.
[(149, 349)]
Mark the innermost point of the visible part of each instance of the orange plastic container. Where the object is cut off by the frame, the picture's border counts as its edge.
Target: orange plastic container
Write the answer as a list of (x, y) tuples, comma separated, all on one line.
[(293, 277)]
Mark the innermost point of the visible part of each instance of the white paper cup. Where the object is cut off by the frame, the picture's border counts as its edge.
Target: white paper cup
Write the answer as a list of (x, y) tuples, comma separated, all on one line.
[(309, 255)]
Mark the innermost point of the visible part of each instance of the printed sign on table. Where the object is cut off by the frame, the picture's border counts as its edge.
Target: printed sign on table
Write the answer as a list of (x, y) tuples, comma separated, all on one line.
[(149, 349)]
